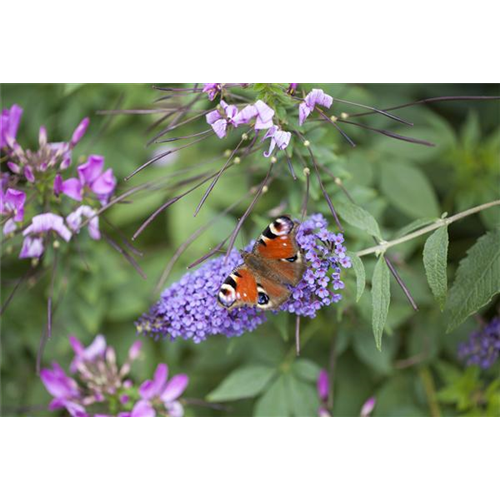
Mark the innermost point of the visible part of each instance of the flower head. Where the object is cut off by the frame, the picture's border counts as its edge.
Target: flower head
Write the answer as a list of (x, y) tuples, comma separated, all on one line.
[(91, 180), (189, 308), (315, 98), (163, 392), (483, 346), (219, 122)]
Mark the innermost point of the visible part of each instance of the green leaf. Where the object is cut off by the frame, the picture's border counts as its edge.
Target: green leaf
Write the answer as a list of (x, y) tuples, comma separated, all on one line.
[(477, 280), (407, 188), (288, 396), (435, 262), (381, 298), (359, 269), (358, 217), (306, 369), (244, 382)]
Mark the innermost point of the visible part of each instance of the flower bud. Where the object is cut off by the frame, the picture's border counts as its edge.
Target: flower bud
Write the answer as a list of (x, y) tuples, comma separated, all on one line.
[(79, 132)]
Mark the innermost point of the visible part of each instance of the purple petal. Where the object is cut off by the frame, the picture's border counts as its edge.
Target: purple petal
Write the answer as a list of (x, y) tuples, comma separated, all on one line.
[(368, 407), (32, 248), (46, 222), (80, 131), (15, 168), (74, 221), (153, 388), (72, 188), (174, 388), (105, 184), (143, 409), (9, 124), (213, 116), (9, 227), (135, 350), (91, 169), (304, 112), (14, 203), (245, 115), (29, 174), (220, 127), (175, 409), (264, 116)]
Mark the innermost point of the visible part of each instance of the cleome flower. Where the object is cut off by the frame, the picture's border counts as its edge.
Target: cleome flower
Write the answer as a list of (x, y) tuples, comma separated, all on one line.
[(188, 309), (161, 393)]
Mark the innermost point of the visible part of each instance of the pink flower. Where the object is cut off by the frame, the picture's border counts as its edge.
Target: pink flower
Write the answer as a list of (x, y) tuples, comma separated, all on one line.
[(315, 98), (9, 123), (368, 407), (166, 392), (90, 175), (63, 389)]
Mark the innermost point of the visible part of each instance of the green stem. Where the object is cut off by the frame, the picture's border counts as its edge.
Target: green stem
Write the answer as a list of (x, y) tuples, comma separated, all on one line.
[(383, 246)]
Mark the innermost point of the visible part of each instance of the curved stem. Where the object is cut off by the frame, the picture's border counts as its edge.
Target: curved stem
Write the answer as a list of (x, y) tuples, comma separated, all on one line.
[(382, 247)]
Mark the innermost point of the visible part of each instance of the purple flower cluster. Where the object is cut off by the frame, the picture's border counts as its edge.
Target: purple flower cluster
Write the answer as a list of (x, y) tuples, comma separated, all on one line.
[(37, 176), (101, 388), (189, 308), (325, 256), (483, 346), (315, 98)]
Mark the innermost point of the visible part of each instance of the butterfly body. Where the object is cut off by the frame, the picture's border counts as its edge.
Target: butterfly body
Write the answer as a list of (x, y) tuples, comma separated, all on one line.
[(274, 264)]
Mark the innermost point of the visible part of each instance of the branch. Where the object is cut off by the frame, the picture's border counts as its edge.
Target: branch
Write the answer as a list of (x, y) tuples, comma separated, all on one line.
[(445, 221)]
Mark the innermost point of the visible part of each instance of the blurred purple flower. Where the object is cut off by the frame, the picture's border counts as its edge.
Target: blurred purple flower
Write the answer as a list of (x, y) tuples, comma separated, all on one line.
[(292, 88), (315, 98), (74, 220), (40, 225), (64, 390), (9, 123), (323, 385), (189, 308), (483, 347), (212, 89), (278, 138), (49, 155), (368, 407), (165, 393)]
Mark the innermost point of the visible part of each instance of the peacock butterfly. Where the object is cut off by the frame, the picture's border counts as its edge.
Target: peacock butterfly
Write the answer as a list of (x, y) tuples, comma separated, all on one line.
[(263, 279)]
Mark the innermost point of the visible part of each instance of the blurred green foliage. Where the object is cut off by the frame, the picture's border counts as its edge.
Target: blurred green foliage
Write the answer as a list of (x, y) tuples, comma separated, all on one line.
[(415, 374)]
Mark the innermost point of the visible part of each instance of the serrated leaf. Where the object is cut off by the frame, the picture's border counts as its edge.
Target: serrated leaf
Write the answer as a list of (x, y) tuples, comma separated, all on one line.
[(407, 188), (359, 269), (435, 262), (381, 298), (477, 280), (358, 217), (245, 382)]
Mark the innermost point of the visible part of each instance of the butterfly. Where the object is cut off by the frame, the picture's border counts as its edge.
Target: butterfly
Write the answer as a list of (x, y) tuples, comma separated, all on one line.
[(263, 280)]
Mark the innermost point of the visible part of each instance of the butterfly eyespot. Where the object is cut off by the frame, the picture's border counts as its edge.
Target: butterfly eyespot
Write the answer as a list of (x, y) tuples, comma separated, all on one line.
[(291, 259), (263, 299)]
